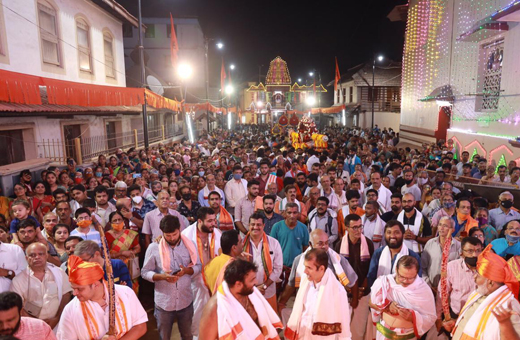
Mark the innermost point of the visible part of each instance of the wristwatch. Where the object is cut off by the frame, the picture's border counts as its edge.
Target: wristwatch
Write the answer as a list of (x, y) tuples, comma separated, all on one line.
[(265, 287), (10, 273)]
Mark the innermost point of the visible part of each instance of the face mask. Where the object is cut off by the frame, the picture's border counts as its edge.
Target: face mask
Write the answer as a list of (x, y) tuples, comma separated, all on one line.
[(482, 221), (408, 181), (137, 199), (422, 181), (99, 174), (186, 197), (118, 226), (462, 217), (449, 205), (201, 173), (471, 261), (177, 172), (84, 223), (512, 239), (506, 204), (237, 176), (77, 180)]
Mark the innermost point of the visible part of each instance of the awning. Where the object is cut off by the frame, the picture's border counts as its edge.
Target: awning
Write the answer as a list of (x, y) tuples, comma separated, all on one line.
[(508, 13), (485, 28)]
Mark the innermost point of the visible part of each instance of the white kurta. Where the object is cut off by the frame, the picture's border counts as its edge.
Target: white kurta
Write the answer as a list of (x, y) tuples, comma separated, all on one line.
[(72, 324), (200, 291)]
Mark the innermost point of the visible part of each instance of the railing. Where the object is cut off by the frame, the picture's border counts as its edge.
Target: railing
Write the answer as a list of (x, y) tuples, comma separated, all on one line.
[(85, 149)]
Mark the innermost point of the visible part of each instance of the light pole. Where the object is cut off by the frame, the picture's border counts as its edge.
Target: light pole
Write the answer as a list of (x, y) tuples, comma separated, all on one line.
[(229, 92), (185, 72), (380, 59), (259, 105), (143, 73), (206, 73)]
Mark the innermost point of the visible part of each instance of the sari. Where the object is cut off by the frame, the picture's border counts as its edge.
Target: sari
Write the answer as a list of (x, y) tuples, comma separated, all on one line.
[(126, 241)]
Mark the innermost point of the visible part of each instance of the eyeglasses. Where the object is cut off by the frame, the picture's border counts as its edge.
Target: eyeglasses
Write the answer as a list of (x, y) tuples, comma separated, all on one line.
[(406, 279), (356, 228), (472, 251)]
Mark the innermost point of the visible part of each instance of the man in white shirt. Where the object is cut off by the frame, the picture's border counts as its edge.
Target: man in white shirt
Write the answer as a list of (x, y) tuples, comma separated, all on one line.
[(384, 194), (411, 187), (44, 288), (12, 262), (312, 159), (235, 189)]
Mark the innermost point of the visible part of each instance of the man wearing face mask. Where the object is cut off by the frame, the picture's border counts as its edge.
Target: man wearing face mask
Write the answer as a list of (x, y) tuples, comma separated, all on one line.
[(410, 186), (498, 217), (463, 220), (458, 285), (509, 245), (396, 201), (235, 189), (139, 204)]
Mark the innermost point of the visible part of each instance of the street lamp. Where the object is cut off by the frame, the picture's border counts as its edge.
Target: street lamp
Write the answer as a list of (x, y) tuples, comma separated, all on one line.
[(310, 101), (232, 66), (299, 80), (229, 90), (184, 71), (311, 74), (380, 58), (220, 45)]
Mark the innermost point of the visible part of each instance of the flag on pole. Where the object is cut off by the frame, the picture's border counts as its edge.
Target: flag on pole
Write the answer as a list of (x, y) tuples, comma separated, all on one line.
[(174, 46), (338, 76), (222, 78)]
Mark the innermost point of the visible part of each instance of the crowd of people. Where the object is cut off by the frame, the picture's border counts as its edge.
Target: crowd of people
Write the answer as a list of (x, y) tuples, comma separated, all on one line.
[(245, 237)]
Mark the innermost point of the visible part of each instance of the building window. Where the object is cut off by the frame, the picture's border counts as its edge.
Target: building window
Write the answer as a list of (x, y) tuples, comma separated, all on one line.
[(150, 31), (338, 96), (128, 30), (13, 150), (84, 51), (169, 30), (49, 34), (373, 91), (491, 77), (344, 95), (351, 94), (109, 55)]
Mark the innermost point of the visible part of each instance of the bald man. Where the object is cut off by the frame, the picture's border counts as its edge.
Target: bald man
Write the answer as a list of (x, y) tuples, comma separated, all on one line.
[(45, 289), (418, 230)]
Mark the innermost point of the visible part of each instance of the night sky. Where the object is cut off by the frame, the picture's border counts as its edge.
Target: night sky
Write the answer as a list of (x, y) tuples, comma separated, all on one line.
[(307, 35)]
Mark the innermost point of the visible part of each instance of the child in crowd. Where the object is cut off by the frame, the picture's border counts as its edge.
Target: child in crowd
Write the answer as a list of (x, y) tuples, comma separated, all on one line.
[(21, 209)]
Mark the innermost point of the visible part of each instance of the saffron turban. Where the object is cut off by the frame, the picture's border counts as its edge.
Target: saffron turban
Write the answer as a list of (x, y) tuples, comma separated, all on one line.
[(495, 268), (84, 273)]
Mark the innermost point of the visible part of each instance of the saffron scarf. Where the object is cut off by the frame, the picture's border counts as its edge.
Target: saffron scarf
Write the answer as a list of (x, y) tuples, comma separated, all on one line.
[(266, 255), (444, 279), (164, 253), (92, 324), (225, 221)]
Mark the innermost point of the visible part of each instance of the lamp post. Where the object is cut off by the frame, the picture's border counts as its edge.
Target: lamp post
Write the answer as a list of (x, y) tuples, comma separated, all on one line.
[(229, 91), (185, 72), (143, 73), (220, 46), (259, 105), (380, 59)]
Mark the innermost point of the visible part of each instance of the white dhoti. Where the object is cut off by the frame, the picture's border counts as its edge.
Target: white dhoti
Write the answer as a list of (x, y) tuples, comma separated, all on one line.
[(200, 299)]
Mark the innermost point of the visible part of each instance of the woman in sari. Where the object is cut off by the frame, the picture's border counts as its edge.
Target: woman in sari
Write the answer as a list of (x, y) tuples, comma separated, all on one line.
[(41, 203), (124, 245)]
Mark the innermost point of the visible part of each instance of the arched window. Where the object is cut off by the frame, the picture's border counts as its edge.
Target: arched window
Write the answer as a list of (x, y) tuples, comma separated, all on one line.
[(48, 22), (84, 48), (108, 41)]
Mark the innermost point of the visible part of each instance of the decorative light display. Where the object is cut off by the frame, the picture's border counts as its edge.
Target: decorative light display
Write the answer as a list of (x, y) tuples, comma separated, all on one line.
[(475, 152), (502, 161), (476, 144), (496, 150)]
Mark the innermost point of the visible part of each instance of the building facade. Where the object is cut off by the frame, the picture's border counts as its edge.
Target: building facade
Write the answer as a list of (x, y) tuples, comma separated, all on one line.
[(460, 76)]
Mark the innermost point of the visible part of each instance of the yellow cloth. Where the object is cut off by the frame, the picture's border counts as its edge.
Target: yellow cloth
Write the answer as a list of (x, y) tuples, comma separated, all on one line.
[(212, 270)]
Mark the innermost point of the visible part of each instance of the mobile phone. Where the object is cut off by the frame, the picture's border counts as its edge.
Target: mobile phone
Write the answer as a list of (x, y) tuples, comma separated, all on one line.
[(136, 176), (176, 272)]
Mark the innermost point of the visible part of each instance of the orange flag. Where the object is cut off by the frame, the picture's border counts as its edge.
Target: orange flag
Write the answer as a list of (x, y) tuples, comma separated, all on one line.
[(338, 76), (222, 79), (174, 46)]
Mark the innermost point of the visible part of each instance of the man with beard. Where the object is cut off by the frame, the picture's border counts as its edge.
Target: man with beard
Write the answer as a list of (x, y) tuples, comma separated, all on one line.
[(270, 217), (245, 207), (28, 234), (492, 311), (372, 223), (206, 239), (328, 192), (396, 201), (223, 217), (13, 324), (482, 165), (418, 229), (384, 260), (358, 250), (402, 304), (353, 207), (383, 194), (301, 182), (172, 278), (459, 283), (321, 306), (87, 316), (290, 198), (264, 178), (239, 310), (508, 246), (410, 185)]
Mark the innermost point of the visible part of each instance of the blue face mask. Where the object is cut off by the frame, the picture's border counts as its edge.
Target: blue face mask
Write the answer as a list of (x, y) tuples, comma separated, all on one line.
[(177, 172), (201, 173), (99, 174), (512, 239), (237, 176), (449, 205)]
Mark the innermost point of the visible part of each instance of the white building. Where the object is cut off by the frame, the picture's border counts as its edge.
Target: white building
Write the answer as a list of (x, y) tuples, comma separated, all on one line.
[(355, 92), (460, 76), (79, 42)]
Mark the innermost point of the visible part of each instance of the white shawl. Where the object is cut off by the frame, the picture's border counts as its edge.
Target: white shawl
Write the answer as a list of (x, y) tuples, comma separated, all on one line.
[(415, 228), (385, 261)]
